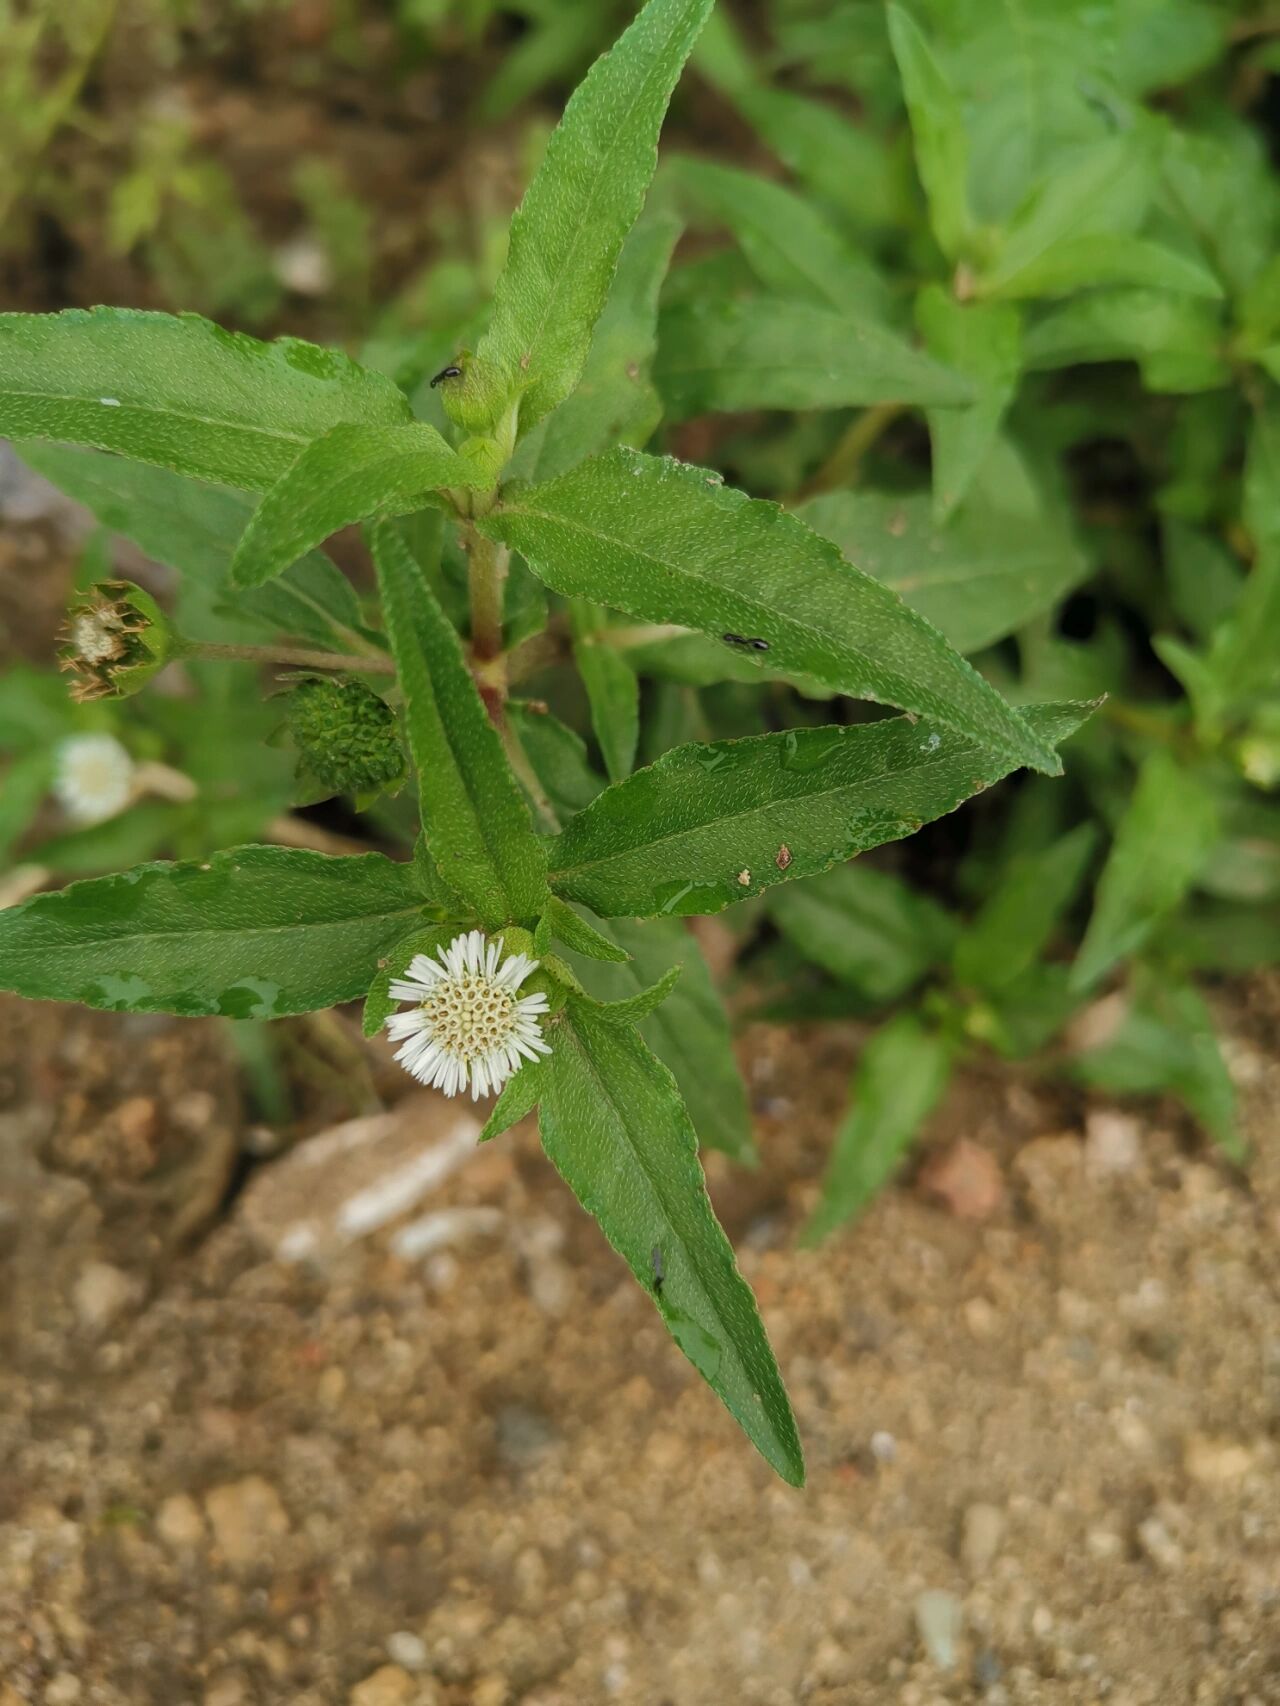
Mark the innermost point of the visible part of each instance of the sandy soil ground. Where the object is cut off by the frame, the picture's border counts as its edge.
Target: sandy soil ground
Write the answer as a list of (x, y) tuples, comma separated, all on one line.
[(457, 1459)]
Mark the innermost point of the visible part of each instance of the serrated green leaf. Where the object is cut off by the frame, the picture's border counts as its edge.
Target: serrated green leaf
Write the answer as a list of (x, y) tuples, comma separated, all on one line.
[(846, 165), (1105, 258), (765, 352), (899, 1080), (867, 928), (1175, 340), (668, 543), (578, 936), (178, 391), (1102, 189), (615, 401), (982, 576), (1026, 903), (252, 933), (23, 785), (1162, 842), (616, 1130), (1167, 1044), (678, 837), (353, 472), (194, 528), (982, 340), (476, 821), (791, 247), (613, 692), (689, 1033), (559, 757), (634, 1009), (518, 1098), (568, 231), (938, 130)]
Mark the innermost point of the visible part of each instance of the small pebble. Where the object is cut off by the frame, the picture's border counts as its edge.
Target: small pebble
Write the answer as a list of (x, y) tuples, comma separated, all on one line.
[(1159, 1545), (938, 1618), (179, 1522), (981, 1532), (408, 1650), (387, 1686), (884, 1447)]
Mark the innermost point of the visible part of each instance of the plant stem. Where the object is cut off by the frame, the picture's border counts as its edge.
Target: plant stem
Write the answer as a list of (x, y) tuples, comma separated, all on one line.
[(301, 657), (841, 467), (488, 576)]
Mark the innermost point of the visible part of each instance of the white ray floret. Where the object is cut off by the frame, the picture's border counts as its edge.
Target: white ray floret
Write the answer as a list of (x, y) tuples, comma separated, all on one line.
[(94, 777), (466, 1024)]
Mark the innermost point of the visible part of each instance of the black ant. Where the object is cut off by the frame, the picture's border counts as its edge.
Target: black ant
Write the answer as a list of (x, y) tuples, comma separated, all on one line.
[(451, 372), (741, 640)]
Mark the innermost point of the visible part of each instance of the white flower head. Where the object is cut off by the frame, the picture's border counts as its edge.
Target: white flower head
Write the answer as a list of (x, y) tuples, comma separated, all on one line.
[(466, 1021), (94, 778)]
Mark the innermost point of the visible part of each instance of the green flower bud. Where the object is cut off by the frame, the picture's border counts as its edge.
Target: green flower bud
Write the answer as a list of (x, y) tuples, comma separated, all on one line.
[(116, 637), (345, 735), (475, 395)]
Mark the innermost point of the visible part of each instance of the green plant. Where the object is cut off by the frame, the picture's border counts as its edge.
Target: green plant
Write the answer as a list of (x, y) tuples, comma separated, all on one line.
[(1083, 254), (539, 574), (542, 496)]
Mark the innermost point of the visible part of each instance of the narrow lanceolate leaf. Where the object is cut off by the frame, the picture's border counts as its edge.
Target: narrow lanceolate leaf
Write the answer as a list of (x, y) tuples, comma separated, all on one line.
[(982, 340), (868, 928), (252, 933), (180, 392), (709, 825), (766, 352), (1166, 1045), (614, 1126), (980, 577), (613, 692), (354, 472), (937, 127), (788, 242), (570, 227), (1019, 917), (578, 936), (615, 401), (689, 1032), (194, 528), (668, 543), (1162, 843), (1108, 258), (475, 818), (898, 1082)]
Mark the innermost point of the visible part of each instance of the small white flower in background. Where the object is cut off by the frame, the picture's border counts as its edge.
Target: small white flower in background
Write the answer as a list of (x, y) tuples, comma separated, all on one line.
[(467, 1021), (94, 777)]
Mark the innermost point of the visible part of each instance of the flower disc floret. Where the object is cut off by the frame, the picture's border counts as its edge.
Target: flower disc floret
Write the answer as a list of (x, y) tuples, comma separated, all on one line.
[(466, 1022)]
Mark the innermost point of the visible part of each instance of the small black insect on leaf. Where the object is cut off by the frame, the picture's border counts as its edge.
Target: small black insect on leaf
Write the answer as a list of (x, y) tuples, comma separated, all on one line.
[(659, 1272), (741, 640), (450, 372)]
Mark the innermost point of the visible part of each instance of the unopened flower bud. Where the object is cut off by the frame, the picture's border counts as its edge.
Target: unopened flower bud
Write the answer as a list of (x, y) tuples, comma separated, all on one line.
[(345, 735), (115, 639)]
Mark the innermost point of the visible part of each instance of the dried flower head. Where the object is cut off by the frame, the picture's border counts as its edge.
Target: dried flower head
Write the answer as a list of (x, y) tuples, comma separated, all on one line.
[(115, 639), (466, 1022)]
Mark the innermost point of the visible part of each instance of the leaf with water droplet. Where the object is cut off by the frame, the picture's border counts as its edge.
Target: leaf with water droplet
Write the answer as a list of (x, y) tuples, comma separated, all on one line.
[(674, 837)]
